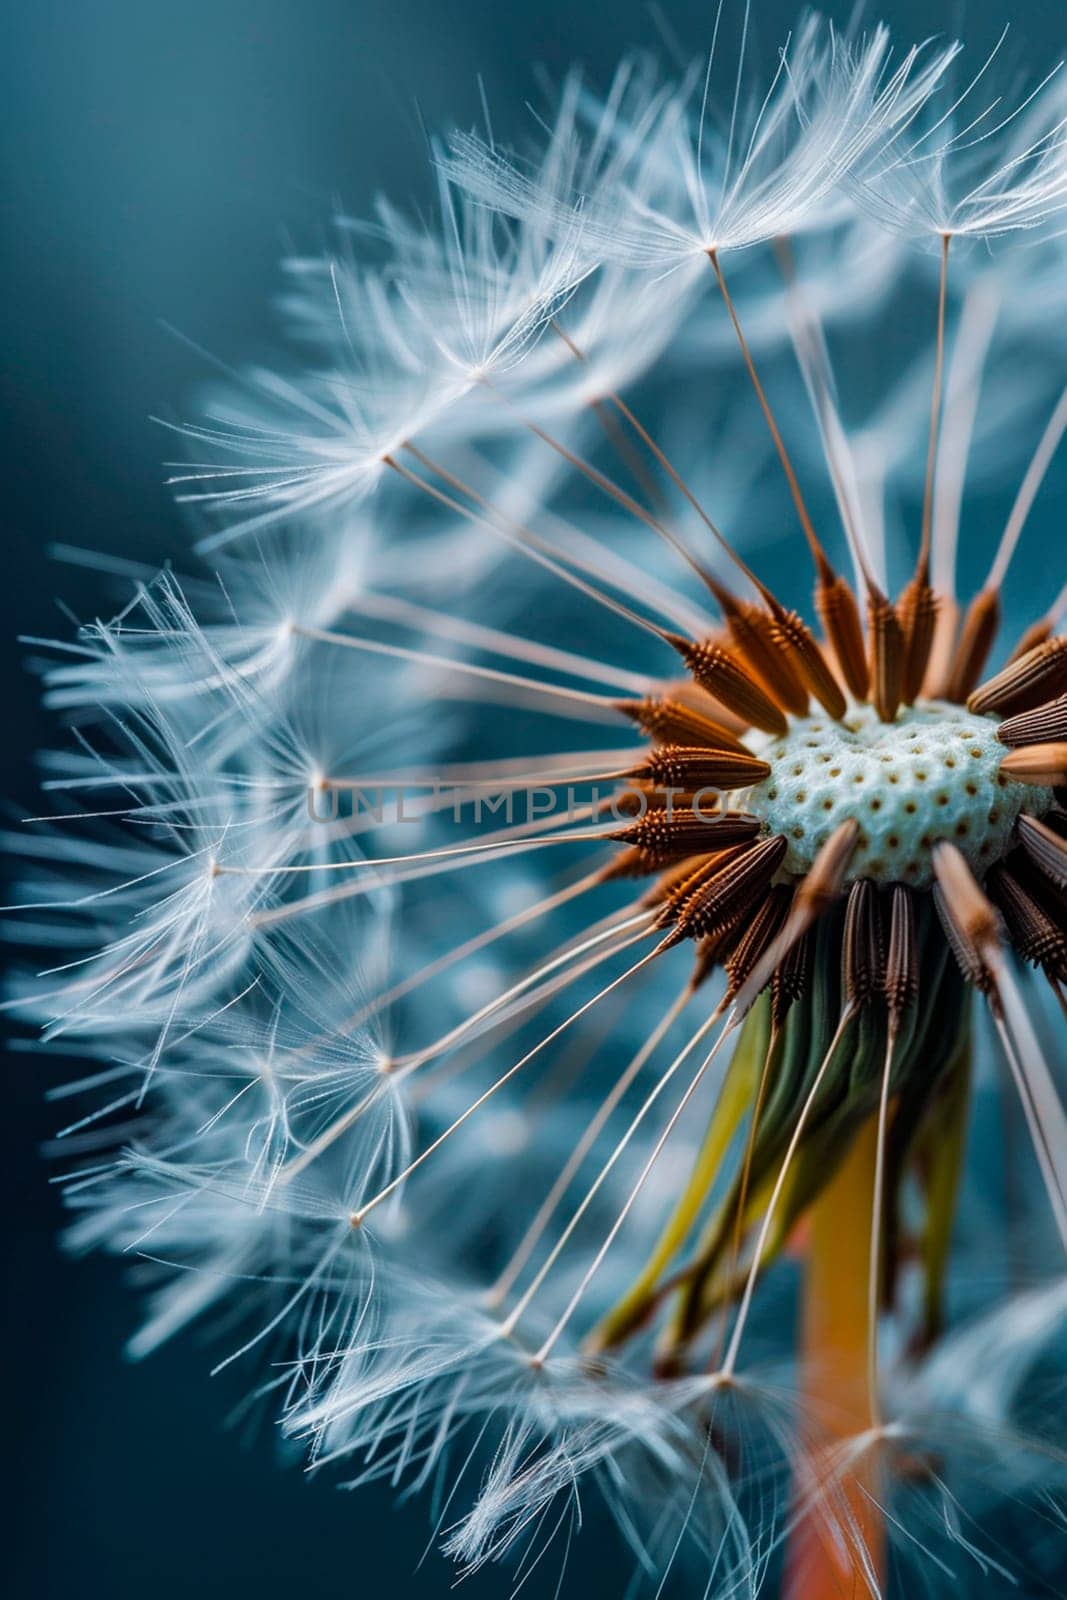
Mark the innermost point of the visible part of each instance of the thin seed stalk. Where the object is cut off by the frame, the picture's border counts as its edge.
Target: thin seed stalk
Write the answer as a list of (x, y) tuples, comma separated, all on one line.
[(734, 1100), (824, 1559)]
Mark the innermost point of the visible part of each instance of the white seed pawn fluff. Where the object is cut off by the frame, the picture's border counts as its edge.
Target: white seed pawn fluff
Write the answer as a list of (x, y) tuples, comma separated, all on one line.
[(496, 1126)]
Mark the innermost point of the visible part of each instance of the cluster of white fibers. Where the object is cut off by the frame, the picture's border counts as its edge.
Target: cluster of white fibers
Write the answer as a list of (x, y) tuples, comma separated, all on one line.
[(386, 1085)]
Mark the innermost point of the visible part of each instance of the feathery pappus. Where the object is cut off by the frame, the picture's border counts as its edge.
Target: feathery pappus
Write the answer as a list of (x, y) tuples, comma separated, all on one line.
[(565, 908)]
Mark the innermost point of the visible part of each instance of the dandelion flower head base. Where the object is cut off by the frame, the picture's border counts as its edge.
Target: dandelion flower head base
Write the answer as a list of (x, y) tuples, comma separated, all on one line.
[(932, 774), (584, 1078)]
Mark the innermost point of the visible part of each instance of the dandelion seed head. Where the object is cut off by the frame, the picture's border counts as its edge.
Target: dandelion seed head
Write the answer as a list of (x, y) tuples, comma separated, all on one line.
[(505, 939), (932, 774)]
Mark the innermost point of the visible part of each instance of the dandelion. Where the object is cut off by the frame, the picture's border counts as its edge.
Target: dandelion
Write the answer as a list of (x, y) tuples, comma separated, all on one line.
[(521, 947)]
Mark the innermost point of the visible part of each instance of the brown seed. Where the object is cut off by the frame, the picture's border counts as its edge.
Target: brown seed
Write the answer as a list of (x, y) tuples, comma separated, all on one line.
[(663, 839), (669, 721), (725, 679), (756, 938), (862, 946), (975, 642), (688, 768), (1040, 886), (814, 894), (679, 882), (810, 662), (1040, 726), (1045, 848), (713, 949), (627, 864), (755, 641), (970, 908), (840, 616), (886, 639), (968, 959), (1033, 932), (1034, 635), (724, 893), (943, 649), (1033, 679), (791, 976), (902, 962), (917, 608), (670, 881), (970, 922), (1045, 764), (676, 767)]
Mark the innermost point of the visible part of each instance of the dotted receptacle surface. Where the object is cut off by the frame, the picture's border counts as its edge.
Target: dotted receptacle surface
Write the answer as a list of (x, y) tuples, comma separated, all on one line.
[(930, 775)]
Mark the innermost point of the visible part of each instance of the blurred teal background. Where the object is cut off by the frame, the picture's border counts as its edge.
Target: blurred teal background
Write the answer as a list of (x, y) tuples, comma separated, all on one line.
[(157, 160)]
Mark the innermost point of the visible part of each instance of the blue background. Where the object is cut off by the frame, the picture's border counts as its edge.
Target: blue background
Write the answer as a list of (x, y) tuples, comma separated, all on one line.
[(157, 161)]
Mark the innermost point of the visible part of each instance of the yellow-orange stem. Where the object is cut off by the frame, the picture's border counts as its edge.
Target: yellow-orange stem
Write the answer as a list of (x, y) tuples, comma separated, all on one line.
[(824, 1560)]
